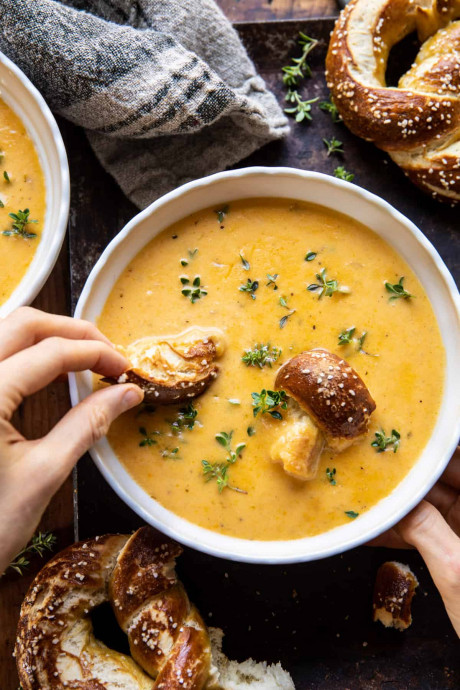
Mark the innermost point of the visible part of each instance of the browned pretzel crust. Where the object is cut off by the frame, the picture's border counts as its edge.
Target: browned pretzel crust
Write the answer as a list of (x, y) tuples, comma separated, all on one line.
[(56, 646), (417, 123)]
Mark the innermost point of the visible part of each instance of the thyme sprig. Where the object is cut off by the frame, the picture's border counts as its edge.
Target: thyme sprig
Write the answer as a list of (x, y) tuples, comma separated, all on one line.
[(383, 442), (269, 402), (272, 280), (148, 437), (219, 470), (193, 291), (250, 286), (343, 174), (347, 337), (40, 542), (327, 287), (261, 355), (330, 474), (20, 221), (186, 418), (331, 108), (397, 290), (301, 109), (333, 146), (293, 74)]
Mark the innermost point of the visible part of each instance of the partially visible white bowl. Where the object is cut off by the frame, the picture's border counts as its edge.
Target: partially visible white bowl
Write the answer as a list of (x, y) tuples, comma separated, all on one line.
[(385, 221), (21, 96)]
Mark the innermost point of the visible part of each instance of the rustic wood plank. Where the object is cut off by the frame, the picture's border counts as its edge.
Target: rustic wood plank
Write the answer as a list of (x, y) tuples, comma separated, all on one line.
[(266, 10)]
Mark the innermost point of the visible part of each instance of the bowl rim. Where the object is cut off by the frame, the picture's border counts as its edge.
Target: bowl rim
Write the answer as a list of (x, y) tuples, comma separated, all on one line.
[(31, 283), (223, 546)]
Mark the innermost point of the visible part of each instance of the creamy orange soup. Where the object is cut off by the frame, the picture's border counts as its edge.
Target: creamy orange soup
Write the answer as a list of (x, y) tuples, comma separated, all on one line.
[(401, 361), (22, 192)]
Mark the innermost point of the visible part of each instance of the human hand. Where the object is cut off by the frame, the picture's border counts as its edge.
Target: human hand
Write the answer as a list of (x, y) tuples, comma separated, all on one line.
[(36, 348), (433, 528)]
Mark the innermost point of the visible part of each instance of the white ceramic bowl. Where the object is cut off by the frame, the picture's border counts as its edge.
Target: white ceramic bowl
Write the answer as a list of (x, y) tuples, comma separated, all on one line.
[(385, 221), (21, 95)]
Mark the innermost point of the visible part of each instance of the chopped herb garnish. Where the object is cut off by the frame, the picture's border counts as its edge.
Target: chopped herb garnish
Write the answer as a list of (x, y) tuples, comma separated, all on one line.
[(343, 174), (397, 290), (250, 286), (301, 109), (195, 291), (283, 302), (186, 417), (245, 263), (250, 431), (20, 220), (193, 252), (234, 401), (148, 439), (6, 176), (222, 212), (2, 205), (351, 514), (219, 470), (331, 108), (284, 319), (183, 262), (333, 146), (325, 287), (346, 336), (170, 453), (300, 69), (330, 474), (310, 256), (268, 402), (41, 542), (382, 442), (272, 280), (261, 355)]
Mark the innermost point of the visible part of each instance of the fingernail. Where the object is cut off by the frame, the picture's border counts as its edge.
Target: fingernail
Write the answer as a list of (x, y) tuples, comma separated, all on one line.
[(132, 397)]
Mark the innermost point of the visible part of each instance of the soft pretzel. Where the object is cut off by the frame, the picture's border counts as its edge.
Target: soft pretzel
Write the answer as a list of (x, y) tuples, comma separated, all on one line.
[(56, 646), (418, 122), (330, 406), (170, 646)]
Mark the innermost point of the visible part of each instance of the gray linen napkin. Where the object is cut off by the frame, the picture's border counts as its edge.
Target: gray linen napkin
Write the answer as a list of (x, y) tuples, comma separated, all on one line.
[(164, 88)]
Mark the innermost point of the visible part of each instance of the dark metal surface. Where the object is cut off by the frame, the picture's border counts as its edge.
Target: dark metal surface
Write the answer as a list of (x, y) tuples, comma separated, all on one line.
[(315, 618)]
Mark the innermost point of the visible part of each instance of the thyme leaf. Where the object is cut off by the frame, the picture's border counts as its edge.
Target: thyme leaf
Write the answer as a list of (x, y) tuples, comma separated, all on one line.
[(330, 474), (382, 442), (246, 264), (397, 290), (326, 287), (40, 542), (222, 212), (269, 402), (250, 286), (343, 174), (18, 227), (261, 355), (331, 108)]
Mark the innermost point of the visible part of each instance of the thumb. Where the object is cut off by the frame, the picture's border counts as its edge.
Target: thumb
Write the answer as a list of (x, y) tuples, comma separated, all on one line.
[(80, 428), (439, 546)]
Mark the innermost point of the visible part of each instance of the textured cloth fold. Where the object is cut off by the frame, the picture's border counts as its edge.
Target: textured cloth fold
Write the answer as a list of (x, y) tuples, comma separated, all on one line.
[(164, 88)]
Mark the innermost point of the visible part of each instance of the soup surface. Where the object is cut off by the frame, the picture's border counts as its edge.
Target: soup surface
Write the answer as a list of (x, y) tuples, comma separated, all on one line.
[(22, 192), (280, 244)]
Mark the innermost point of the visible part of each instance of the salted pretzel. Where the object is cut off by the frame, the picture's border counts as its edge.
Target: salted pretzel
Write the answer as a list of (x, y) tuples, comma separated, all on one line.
[(170, 646), (56, 646), (418, 122)]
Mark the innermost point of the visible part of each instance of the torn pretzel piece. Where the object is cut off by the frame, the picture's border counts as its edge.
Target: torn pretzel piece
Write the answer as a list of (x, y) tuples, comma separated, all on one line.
[(173, 369), (394, 589), (330, 407)]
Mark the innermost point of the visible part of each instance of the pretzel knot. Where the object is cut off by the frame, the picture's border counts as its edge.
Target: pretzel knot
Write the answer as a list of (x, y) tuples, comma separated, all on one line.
[(56, 646), (417, 122)]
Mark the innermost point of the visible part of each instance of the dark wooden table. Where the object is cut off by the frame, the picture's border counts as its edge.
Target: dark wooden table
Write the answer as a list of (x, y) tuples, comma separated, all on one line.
[(41, 411)]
